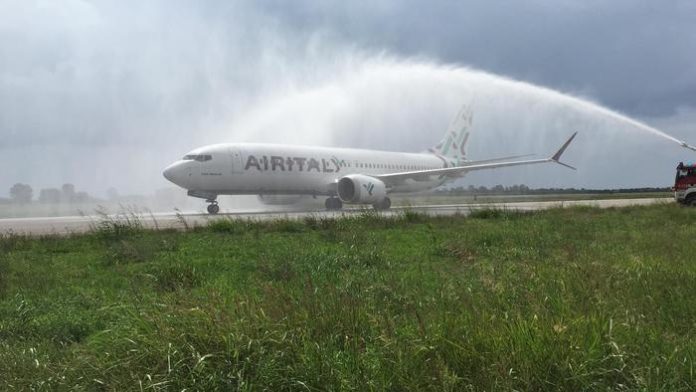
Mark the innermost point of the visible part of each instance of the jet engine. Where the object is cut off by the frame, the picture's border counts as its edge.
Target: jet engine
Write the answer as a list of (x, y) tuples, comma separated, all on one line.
[(359, 188)]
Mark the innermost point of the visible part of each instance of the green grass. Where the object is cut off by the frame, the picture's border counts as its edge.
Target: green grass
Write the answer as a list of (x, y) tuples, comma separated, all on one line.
[(414, 200), (565, 299)]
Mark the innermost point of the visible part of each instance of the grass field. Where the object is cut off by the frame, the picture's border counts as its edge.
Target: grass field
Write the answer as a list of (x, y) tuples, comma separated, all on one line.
[(564, 299), (407, 200)]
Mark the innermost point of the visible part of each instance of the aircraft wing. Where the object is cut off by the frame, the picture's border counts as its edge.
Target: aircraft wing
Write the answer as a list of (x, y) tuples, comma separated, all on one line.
[(424, 175), (501, 159)]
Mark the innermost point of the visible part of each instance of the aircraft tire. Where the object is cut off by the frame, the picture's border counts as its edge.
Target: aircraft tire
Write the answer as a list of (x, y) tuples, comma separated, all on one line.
[(333, 204), (383, 205), (213, 209)]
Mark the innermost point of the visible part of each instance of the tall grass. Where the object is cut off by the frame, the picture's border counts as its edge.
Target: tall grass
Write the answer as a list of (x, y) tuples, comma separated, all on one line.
[(116, 226), (567, 299)]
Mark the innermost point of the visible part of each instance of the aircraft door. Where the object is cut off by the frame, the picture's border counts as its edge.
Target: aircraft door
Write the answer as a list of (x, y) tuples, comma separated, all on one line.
[(193, 174), (236, 160)]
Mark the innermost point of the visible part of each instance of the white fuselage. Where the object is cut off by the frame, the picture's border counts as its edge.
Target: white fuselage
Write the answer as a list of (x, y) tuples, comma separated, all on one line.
[(234, 169)]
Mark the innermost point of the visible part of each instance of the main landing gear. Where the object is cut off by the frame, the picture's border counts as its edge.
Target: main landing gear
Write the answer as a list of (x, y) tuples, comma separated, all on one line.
[(383, 205), (213, 207), (333, 204)]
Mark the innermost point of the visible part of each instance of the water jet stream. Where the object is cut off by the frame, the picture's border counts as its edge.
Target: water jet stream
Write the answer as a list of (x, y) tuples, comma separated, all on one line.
[(372, 92)]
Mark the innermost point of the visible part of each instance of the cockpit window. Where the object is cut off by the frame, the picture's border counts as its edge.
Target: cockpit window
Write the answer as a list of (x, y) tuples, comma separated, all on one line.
[(197, 157)]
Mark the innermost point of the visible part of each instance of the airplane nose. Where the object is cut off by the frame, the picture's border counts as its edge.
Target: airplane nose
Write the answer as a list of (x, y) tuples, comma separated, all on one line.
[(175, 173), (168, 173)]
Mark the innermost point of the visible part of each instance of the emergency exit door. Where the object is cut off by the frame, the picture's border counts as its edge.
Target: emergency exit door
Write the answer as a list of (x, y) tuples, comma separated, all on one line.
[(236, 158)]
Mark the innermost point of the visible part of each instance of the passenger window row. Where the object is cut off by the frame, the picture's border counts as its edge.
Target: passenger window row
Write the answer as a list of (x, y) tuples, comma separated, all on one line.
[(363, 165)]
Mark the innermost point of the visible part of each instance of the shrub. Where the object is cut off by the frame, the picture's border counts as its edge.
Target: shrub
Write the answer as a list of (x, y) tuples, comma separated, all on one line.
[(176, 276), (116, 227), (412, 216), (496, 213)]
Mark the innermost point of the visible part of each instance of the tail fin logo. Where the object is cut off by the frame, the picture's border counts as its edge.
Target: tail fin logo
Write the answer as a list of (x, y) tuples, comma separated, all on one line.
[(454, 145)]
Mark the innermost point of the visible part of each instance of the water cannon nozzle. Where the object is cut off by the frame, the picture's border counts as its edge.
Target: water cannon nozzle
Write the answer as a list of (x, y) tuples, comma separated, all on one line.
[(687, 145)]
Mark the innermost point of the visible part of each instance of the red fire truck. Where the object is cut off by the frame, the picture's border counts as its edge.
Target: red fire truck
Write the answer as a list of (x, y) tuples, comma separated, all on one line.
[(685, 184)]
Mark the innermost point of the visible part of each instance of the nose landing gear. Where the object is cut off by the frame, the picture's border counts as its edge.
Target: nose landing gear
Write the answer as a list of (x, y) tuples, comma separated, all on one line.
[(213, 207)]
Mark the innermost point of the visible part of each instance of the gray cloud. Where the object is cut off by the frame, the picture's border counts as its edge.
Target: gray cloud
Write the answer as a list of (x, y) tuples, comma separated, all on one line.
[(105, 93), (636, 56)]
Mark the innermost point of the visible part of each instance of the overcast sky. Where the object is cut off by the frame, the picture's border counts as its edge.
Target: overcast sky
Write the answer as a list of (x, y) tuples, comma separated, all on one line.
[(106, 93)]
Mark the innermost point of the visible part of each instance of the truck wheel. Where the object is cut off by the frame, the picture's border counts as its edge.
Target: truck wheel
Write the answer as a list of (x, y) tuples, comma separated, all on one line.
[(691, 201)]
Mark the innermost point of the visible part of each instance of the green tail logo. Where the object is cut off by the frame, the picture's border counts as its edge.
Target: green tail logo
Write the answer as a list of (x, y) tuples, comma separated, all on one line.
[(369, 187)]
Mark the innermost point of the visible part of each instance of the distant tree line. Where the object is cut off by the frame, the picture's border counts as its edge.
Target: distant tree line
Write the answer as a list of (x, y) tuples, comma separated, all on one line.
[(525, 190), (23, 194)]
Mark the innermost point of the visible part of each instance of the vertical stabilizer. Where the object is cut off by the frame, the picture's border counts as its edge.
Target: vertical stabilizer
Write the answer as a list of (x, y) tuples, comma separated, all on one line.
[(453, 146)]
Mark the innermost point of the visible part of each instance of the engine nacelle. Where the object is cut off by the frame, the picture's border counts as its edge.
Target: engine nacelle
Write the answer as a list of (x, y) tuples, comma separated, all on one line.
[(359, 188)]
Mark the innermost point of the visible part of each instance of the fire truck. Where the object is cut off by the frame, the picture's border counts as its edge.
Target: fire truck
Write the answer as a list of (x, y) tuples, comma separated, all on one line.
[(685, 184)]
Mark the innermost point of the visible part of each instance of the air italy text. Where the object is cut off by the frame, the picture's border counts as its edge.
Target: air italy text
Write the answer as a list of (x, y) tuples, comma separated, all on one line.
[(278, 163)]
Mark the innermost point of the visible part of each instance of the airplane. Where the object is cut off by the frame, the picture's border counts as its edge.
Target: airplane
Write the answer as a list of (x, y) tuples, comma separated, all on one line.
[(343, 175)]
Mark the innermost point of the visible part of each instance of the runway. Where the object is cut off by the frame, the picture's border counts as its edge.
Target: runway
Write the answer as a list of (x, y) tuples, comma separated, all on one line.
[(80, 224)]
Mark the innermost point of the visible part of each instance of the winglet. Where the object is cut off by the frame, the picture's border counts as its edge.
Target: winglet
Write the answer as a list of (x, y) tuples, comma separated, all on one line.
[(557, 156)]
